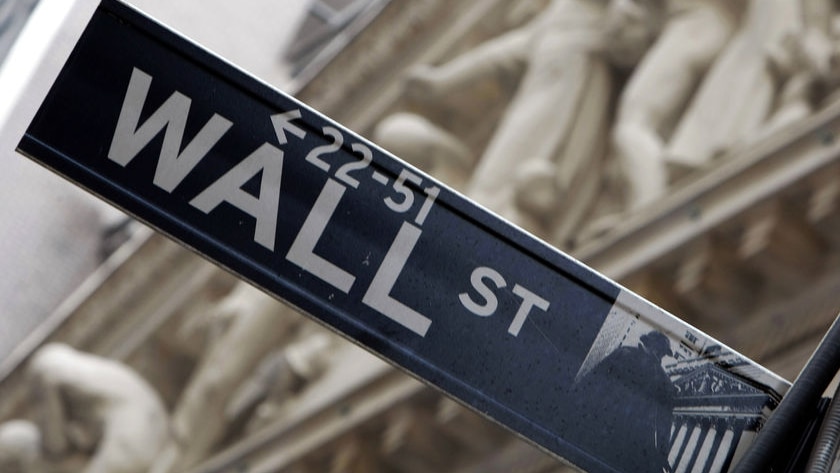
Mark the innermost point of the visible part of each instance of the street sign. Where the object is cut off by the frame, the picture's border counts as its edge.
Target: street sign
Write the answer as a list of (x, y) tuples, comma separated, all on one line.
[(391, 258)]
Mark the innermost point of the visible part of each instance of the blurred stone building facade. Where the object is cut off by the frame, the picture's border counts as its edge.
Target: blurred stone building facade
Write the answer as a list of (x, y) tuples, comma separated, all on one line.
[(704, 175), (13, 15)]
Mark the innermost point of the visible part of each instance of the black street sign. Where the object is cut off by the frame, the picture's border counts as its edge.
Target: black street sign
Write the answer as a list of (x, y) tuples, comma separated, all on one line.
[(394, 260)]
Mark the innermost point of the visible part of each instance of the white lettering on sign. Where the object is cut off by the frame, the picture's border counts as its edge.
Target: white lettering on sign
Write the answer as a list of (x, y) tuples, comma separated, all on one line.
[(406, 199), (529, 301), (174, 164), (378, 295), (267, 160), (302, 252), (488, 302), (491, 302)]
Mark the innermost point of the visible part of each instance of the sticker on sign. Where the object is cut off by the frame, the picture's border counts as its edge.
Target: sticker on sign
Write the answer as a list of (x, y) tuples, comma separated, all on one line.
[(391, 258)]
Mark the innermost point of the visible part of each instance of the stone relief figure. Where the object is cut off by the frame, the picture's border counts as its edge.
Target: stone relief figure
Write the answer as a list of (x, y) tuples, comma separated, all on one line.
[(20, 447), (429, 147), (92, 405), (809, 61), (280, 376), (545, 152), (22, 451), (255, 324), (738, 94), (660, 87), (819, 40)]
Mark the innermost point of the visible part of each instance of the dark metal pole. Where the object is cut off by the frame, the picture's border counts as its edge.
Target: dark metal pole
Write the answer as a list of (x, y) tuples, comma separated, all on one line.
[(825, 447), (788, 420)]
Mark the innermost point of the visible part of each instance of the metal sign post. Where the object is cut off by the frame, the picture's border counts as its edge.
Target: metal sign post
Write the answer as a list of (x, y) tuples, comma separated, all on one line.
[(394, 260)]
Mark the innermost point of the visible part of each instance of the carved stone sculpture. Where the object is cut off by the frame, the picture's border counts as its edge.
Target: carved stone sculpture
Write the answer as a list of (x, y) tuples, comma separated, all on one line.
[(808, 62), (279, 377), (258, 324), (20, 447), (545, 151), (425, 145), (97, 406), (21, 451), (660, 87), (738, 94)]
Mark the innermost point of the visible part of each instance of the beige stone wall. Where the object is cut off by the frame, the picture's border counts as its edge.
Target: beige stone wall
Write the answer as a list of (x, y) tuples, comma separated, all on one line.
[(739, 237)]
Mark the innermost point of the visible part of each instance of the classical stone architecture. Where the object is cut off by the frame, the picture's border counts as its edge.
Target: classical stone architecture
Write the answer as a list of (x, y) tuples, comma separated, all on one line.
[(730, 221)]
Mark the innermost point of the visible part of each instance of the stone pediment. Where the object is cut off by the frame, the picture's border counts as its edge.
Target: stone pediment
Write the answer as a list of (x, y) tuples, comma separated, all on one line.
[(709, 381)]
